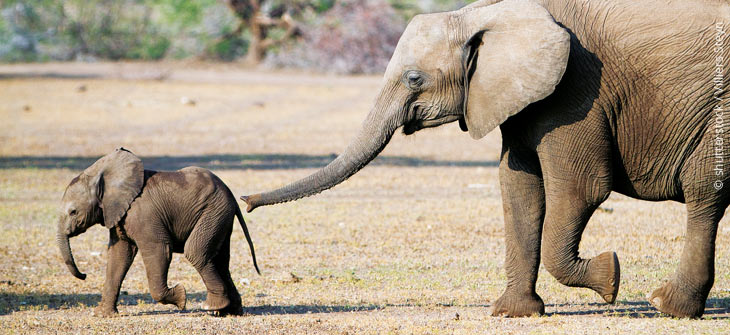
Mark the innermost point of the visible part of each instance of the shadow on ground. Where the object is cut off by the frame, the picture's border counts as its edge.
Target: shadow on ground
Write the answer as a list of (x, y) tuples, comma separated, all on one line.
[(53, 75), (13, 302), (715, 308), (306, 309), (229, 162)]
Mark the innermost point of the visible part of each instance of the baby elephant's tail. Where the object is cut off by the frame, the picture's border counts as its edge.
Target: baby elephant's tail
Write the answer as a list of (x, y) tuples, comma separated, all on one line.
[(248, 238)]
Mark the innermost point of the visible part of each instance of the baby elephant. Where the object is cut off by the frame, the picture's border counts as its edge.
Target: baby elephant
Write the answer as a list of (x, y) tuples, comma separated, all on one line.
[(187, 211)]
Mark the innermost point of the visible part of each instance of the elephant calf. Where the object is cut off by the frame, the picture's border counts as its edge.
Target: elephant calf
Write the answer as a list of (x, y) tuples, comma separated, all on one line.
[(188, 211)]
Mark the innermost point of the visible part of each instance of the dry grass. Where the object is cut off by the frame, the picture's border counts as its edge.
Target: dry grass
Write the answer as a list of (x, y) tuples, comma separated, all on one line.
[(402, 247)]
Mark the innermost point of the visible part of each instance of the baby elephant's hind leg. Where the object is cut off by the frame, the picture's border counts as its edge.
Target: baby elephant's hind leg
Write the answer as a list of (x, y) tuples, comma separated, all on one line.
[(221, 262), (157, 259), (202, 250)]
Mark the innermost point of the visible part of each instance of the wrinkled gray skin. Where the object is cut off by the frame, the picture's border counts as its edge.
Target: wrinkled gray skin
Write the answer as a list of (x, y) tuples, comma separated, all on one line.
[(187, 211), (591, 97)]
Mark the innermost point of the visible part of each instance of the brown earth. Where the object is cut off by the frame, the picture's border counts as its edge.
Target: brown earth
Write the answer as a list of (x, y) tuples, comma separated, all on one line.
[(412, 244)]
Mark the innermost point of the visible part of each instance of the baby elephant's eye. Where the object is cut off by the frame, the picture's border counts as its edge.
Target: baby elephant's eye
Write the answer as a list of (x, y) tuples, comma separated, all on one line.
[(72, 212)]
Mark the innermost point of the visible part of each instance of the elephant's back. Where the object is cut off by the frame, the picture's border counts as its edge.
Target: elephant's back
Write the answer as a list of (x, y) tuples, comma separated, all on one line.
[(190, 179), (207, 187), (183, 197)]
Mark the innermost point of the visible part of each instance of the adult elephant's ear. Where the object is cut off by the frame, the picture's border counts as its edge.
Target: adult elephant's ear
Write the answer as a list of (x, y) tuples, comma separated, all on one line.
[(117, 179), (515, 55)]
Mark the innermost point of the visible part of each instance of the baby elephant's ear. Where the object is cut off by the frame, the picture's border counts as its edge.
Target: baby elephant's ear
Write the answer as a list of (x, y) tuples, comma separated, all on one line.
[(121, 181)]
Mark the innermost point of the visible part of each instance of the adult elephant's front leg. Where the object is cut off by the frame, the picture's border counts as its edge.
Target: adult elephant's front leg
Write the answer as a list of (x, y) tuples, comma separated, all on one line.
[(523, 202), (568, 211), (120, 255)]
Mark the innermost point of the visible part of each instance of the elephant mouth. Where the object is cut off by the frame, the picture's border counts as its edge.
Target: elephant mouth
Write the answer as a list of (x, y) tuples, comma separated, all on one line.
[(416, 125)]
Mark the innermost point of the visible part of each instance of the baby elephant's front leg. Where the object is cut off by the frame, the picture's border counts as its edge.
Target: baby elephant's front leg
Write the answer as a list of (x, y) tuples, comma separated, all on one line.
[(157, 259), (120, 255)]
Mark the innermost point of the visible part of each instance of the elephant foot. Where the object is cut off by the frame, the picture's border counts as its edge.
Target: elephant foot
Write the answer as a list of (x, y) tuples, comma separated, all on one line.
[(678, 303), (605, 273), (174, 296), (215, 302), (179, 296), (102, 311), (230, 310), (518, 305)]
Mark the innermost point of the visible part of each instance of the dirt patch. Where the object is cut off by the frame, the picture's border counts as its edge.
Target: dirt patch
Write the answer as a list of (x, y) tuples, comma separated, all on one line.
[(404, 246)]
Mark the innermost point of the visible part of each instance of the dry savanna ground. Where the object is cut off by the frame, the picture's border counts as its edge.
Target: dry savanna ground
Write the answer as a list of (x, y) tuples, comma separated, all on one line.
[(411, 244)]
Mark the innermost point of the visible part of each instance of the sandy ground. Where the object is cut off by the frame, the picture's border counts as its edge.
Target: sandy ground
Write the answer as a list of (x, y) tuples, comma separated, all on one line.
[(411, 244)]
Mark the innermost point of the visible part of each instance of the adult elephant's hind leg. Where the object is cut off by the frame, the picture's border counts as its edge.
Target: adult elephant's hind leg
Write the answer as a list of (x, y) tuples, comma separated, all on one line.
[(567, 214), (523, 202), (685, 294)]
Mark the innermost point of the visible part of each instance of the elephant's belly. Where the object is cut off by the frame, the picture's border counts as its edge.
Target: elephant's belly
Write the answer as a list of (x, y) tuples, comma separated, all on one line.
[(640, 186), (180, 231), (178, 248)]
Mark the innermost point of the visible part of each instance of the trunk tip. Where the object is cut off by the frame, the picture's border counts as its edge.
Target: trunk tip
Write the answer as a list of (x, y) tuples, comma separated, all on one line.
[(251, 201)]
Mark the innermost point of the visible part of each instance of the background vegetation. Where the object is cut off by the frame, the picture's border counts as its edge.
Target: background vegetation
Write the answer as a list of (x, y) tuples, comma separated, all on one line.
[(344, 36)]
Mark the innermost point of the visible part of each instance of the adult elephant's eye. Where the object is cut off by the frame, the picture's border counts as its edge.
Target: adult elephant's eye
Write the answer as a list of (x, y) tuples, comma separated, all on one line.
[(413, 79), (72, 212)]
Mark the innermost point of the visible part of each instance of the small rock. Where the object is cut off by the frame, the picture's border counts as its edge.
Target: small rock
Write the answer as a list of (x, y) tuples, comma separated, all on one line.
[(295, 278), (245, 281), (81, 89), (187, 101), (456, 317), (95, 253), (259, 104), (26, 108)]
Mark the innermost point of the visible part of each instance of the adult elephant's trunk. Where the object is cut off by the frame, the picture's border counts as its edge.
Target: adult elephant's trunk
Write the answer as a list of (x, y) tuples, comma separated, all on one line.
[(62, 239), (376, 132)]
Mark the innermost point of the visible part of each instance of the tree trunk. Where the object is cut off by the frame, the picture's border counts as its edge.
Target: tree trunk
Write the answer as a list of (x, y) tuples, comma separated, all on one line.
[(256, 49)]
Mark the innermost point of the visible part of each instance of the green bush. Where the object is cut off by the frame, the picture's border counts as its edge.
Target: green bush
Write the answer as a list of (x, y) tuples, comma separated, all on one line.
[(40, 30)]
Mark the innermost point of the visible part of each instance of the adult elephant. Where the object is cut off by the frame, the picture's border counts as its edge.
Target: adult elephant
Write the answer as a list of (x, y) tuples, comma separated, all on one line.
[(591, 97)]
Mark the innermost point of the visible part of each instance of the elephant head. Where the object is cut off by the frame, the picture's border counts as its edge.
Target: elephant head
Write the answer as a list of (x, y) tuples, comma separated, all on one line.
[(478, 65), (100, 194)]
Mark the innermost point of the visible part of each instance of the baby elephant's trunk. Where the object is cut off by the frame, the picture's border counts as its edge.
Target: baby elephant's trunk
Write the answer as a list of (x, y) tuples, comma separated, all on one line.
[(62, 240)]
